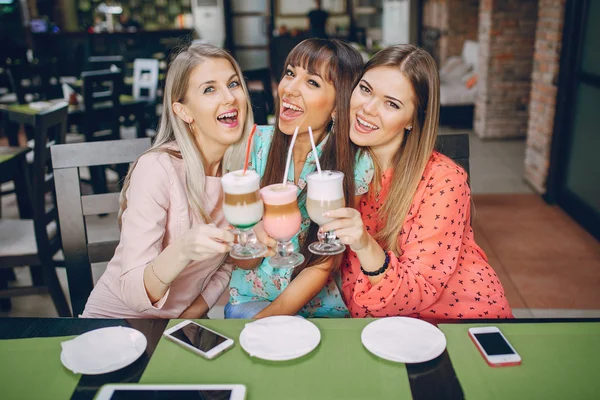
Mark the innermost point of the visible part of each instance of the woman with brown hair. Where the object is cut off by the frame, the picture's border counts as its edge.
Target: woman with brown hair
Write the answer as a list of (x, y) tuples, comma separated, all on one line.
[(170, 261), (412, 250), (314, 91)]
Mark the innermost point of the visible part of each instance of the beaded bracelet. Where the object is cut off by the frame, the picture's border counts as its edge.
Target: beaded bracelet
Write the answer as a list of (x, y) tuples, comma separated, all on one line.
[(381, 270)]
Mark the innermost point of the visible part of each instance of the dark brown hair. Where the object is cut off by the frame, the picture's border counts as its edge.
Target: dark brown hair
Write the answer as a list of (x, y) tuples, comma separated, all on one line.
[(341, 65)]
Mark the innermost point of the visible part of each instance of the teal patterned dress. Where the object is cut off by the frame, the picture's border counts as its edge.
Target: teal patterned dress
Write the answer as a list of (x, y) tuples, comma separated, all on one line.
[(265, 283)]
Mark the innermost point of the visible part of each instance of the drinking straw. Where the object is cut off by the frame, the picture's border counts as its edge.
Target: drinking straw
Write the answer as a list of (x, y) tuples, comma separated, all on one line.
[(289, 157), (315, 155), (248, 147)]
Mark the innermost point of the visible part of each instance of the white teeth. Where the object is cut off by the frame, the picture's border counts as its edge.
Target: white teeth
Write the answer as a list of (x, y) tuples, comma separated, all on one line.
[(291, 106), (365, 123), (228, 115)]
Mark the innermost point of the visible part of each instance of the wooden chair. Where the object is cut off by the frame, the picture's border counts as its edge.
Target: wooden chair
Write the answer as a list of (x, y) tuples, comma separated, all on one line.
[(19, 71), (105, 62), (73, 208), (34, 242), (112, 63), (47, 69), (102, 106), (456, 147), (145, 77), (38, 80), (13, 168)]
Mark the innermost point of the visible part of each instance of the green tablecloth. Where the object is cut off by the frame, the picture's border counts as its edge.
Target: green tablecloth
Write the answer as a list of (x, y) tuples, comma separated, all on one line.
[(22, 108), (340, 368), (5, 157), (559, 361), (31, 369)]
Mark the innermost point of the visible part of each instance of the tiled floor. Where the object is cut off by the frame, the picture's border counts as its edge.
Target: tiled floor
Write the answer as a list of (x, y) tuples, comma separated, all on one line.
[(496, 166), (544, 259), (549, 266)]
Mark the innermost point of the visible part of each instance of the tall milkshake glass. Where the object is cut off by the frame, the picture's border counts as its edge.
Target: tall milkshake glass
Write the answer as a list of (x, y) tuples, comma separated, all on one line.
[(325, 193), (243, 208), (282, 221)]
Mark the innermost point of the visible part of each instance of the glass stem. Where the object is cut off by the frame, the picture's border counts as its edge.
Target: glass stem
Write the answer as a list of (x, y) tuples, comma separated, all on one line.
[(243, 237), (326, 237), (285, 249)]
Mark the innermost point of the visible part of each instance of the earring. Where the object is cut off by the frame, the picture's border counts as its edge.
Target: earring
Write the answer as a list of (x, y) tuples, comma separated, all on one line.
[(409, 128), (332, 125)]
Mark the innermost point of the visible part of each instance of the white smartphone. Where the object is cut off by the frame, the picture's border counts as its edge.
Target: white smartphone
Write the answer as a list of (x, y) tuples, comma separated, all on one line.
[(159, 392), (494, 347), (199, 339)]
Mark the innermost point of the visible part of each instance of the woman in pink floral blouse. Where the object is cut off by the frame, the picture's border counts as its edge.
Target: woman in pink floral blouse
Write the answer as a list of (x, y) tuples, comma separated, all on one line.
[(412, 248)]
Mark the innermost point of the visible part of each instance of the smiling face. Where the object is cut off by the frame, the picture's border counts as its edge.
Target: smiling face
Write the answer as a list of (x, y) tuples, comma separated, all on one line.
[(305, 100), (381, 108), (216, 103)]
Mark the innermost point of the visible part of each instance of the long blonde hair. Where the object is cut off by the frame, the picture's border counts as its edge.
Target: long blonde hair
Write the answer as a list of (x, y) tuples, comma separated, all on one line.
[(412, 156), (172, 128)]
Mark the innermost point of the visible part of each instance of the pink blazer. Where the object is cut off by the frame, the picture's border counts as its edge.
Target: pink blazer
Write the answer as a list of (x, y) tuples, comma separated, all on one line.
[(157, 214)]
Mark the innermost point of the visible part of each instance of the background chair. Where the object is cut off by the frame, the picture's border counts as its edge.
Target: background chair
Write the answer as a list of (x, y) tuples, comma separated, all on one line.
[(34, 242), (34, 81), (112, 63), (73, 208), (145, 87), (456, 147), (145, 78), (102, 109), (264, 77)]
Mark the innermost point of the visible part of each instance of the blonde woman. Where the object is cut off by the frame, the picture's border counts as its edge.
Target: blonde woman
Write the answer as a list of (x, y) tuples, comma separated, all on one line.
[(412, 247), (170, 259)]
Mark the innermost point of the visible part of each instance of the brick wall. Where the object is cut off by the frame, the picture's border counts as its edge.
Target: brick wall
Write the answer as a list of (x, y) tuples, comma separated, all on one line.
[(548, 41), (506, 44), (463, 22), (456, 20)]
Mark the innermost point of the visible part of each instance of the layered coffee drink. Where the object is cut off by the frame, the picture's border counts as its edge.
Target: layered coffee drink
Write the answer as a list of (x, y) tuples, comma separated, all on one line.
[(242, 205), (282, 221), (282, 216), (325, 193), (243, 208)]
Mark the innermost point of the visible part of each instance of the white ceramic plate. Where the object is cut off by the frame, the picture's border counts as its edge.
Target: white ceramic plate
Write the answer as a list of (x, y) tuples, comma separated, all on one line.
[(103, 350), (280, 338), (403, 339)]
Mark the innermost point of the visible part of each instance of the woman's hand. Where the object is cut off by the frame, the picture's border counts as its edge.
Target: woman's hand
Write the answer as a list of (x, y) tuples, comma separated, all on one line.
[(348, 227), (265, 239), (198, 309), (204, 242)]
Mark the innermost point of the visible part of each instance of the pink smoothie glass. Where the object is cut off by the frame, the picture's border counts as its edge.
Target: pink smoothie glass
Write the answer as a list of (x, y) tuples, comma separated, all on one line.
[(281, 221)]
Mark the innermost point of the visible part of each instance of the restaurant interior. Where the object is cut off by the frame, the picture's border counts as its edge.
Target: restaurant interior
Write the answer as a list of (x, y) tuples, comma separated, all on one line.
[(81, 95)]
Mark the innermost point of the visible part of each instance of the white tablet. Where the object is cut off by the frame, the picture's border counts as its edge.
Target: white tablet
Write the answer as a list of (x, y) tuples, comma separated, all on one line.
[(160, 392)]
